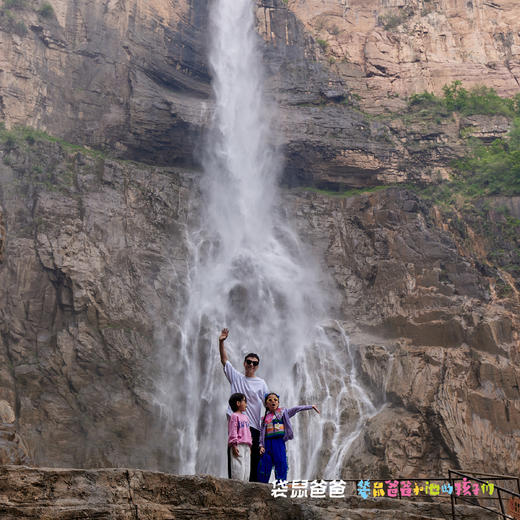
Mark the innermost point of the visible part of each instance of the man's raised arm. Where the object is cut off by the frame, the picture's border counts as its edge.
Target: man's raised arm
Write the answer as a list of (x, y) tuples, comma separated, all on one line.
[(222, 350)]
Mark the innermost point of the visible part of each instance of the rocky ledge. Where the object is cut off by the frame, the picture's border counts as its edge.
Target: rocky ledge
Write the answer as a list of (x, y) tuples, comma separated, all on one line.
[(121, 494)]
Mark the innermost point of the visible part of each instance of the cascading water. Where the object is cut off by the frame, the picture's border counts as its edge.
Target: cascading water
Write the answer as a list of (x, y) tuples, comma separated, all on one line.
[(249, 273)]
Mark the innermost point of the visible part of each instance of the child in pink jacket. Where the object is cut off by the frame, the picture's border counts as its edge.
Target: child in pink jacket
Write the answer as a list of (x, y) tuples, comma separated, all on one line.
[(239, 438)]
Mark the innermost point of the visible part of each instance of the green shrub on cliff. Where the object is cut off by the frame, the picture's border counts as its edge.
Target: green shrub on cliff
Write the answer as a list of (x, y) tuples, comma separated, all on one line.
[(10, 24), (323, 44), (478, 100), (46, 10), (494, 169), (23, 136)]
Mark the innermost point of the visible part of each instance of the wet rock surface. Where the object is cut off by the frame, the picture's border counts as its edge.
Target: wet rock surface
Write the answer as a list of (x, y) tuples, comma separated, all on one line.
[(96, 262)]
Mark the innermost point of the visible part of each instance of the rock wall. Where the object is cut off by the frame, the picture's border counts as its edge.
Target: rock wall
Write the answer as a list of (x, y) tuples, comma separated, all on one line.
[(132, 77), (385, 50), (94, 257), (449, 369), (129, 76)]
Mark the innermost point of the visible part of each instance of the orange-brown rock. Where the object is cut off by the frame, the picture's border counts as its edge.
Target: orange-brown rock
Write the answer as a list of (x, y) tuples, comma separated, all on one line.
[(387, 50)]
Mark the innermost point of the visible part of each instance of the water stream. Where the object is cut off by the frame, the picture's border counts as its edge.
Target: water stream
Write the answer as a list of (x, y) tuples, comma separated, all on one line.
[(250, 272)]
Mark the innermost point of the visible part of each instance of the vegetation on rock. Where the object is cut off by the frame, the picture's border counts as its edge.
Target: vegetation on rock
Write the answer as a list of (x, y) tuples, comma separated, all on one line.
[(471, 201), (46, 10), (10, 24), (456, 98), (14, 4), (24, 135), (493, 169)]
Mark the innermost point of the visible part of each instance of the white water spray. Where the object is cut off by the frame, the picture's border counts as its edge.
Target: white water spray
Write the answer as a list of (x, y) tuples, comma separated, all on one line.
[(249, 273)]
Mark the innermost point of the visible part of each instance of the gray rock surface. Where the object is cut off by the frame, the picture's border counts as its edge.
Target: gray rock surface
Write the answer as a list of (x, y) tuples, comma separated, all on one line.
[(13, 449), (450, 368), (120, 494), (94, 256)]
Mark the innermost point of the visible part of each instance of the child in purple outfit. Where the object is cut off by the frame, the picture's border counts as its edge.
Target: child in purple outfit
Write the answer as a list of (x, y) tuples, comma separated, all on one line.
[(276, 429), (239, 438)]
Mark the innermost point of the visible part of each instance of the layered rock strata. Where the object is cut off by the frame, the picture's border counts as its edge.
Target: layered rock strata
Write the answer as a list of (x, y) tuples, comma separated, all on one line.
[(130, 76), (133, 78)]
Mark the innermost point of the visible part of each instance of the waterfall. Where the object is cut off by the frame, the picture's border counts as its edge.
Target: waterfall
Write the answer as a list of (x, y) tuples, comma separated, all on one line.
[(250, 273)]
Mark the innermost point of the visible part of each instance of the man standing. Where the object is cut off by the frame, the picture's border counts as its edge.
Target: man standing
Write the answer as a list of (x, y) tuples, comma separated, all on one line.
[(254, 389)]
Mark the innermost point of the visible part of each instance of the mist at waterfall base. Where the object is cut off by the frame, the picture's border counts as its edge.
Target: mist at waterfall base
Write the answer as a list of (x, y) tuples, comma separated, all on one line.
[(250, 273)]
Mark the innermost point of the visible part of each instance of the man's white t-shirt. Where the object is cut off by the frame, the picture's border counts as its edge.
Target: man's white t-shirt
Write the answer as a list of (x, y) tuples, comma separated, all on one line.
[(254, 388)]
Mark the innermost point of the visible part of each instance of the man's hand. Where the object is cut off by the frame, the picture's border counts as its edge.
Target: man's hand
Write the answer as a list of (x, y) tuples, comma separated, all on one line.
[(234, 449), (262, 450), (221, 349), (315, 408)]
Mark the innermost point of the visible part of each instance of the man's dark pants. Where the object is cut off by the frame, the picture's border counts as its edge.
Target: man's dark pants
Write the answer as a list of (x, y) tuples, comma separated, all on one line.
[(255, 456)]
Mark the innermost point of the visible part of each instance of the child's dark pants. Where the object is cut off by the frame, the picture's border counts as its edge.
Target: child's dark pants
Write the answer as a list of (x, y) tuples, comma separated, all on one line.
[(276, 455)]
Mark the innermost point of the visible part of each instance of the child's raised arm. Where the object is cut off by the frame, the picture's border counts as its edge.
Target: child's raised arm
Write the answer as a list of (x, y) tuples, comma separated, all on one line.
[(296, 409)]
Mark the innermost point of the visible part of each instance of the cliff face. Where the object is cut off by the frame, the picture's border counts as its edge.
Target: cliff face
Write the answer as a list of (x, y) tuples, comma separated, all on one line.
[(129, 76), (388, 49), (94, 258), (93, 249), (433, 338)]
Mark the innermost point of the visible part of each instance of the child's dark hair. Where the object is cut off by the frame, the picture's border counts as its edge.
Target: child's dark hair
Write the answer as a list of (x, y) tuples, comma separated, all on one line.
[(234, 399)]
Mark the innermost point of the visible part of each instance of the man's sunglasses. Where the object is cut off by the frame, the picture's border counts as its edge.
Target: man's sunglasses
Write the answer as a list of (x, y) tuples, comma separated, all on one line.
[(251, 362)]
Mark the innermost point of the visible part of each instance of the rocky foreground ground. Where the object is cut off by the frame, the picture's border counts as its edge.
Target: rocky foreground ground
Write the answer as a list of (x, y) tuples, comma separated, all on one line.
[(121, 494)]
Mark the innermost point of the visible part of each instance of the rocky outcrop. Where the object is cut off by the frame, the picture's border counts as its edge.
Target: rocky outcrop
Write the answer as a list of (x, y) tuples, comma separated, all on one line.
[(133, 78), (129, 76), (449, 369), (136, 495), (95, 256)]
